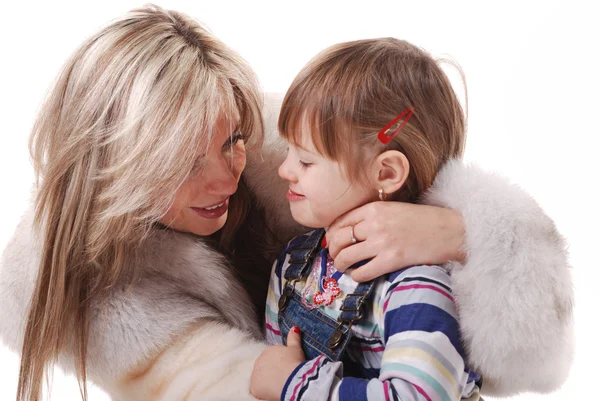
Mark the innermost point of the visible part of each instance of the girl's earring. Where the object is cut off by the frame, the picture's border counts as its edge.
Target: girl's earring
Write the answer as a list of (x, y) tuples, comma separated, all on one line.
[(382, 195)]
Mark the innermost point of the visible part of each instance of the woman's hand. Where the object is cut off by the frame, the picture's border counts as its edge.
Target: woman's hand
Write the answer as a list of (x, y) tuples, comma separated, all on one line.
[(274, 366), (396, 235)]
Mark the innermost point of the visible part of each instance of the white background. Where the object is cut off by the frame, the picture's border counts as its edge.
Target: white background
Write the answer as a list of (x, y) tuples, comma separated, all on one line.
[(532, 74)]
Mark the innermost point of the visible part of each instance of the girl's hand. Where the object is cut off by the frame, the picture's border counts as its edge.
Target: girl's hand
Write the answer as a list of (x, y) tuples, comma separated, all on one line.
[(396, 235), (274, 366)]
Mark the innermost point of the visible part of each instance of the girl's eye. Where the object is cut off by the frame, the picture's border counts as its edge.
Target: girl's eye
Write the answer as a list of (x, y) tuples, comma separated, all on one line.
[(304, 164)]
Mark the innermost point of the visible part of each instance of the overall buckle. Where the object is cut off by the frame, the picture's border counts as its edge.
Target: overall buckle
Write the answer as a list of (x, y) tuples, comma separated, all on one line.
[(287, 294)]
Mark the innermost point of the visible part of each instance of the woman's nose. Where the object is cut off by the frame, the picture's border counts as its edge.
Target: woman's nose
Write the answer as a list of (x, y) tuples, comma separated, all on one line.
[(222, 179)]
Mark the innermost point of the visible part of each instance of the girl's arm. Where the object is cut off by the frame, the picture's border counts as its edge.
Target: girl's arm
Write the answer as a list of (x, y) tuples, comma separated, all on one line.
[(423, 358), (272, 332)]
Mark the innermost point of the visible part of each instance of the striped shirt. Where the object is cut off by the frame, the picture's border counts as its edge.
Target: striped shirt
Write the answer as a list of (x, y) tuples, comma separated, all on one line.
[(406, 347)]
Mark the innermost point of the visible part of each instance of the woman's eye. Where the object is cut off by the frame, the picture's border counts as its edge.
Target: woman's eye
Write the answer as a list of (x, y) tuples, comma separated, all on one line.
[(235, 139)]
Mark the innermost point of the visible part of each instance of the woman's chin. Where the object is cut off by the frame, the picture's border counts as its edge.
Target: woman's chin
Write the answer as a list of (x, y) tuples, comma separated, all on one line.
[(204, 227)]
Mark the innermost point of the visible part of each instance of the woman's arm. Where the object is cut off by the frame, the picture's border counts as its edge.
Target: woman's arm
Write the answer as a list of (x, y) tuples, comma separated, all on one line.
[(185, 328), (510, 271), (514, 290), (395, 235), (208, 361)]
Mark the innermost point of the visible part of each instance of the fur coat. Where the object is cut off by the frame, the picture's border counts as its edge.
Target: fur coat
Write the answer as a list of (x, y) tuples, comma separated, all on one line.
[(186, 330)]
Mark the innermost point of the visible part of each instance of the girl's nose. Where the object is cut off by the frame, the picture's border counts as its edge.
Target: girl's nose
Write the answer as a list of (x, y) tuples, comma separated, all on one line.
[(286, 171)]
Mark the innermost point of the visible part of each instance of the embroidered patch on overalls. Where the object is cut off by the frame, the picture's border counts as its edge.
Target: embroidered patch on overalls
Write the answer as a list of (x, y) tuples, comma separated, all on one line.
[(322, 284)]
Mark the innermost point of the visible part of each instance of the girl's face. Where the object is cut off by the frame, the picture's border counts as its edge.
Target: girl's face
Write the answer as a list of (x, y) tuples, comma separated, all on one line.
[(202, 202), (319, 190)]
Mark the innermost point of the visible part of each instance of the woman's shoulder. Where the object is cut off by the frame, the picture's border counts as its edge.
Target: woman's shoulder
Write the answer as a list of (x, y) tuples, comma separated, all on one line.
[(180, 280), (18, 274)]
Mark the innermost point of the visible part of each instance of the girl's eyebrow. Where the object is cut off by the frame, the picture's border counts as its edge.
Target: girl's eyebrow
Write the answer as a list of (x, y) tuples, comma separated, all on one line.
[(299, 146)]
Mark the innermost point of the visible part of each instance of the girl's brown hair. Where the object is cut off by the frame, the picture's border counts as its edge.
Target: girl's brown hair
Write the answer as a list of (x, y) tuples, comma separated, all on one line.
[(116, 137), (350, 91)]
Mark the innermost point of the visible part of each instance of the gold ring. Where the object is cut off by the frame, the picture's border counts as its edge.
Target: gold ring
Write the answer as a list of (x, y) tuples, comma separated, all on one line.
[(352, 237)]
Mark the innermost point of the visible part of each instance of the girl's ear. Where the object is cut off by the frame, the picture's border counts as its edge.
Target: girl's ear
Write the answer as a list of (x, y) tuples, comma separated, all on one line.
[(390, 171)]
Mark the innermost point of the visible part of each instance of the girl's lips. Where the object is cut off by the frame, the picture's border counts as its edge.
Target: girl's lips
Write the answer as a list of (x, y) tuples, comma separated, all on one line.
[(294, 197), (212, 213)]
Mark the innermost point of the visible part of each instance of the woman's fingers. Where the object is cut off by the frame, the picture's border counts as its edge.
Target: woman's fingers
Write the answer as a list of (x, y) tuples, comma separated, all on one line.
[(379, 264), (396, 235), (370, 270), (342, 238), (352, 218), (353, 254)]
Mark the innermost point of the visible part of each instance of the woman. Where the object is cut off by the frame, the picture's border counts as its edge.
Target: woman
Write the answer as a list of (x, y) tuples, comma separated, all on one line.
[(140, 149)]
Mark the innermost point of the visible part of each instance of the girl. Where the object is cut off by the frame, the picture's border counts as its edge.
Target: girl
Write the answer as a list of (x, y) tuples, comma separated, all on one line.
[(366, 120)]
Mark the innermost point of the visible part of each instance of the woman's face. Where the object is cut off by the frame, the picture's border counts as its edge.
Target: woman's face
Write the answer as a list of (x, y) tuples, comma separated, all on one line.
[(202, 202)]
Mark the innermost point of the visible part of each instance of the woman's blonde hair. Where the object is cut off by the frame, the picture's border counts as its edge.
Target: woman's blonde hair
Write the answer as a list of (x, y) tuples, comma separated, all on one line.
[(116, 137), (350, 91)]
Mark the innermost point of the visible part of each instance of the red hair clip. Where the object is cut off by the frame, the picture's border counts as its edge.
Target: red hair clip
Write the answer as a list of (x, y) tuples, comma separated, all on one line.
[(386, 137)]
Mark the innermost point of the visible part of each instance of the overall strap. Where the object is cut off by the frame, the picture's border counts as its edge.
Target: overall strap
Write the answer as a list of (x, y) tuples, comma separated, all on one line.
[(353, 309), (302, 255)]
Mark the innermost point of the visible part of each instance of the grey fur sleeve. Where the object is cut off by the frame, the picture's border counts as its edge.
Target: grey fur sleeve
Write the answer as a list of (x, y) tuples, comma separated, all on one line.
[(514, 293), (181, 282)]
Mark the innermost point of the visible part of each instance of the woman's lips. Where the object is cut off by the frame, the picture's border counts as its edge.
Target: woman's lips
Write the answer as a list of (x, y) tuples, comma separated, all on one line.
[(294, 197), (212, 212)]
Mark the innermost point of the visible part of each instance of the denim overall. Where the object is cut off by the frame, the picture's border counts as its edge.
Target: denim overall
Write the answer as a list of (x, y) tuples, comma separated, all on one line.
[(321, 335)]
